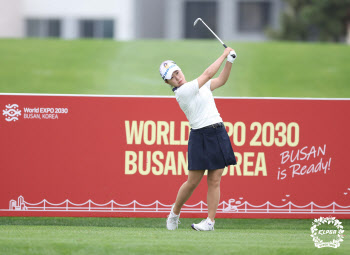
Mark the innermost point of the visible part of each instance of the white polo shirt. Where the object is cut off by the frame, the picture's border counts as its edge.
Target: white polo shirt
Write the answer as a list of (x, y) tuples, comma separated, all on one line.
[(197, 104)]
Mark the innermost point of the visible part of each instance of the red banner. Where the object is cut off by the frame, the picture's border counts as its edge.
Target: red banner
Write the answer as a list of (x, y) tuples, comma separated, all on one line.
[(127, 157)]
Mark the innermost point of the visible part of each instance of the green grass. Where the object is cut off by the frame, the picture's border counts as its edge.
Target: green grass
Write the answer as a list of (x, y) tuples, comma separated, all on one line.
[(271, 69), (149, 236)]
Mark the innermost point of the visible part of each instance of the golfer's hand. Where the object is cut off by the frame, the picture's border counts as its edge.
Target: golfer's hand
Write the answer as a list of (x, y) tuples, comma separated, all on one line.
[(227, 51), (231, 56)]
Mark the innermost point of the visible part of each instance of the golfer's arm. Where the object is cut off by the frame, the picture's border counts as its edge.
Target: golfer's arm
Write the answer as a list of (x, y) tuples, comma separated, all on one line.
[(210, 71), (223, 77)]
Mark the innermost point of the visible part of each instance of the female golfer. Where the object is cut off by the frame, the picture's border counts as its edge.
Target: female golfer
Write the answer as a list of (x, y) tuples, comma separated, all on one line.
[(209, 147)]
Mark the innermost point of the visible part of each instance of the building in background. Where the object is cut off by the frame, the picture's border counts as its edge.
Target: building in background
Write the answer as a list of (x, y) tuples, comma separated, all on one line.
[(136, 19), (68, 19), (231, 19)]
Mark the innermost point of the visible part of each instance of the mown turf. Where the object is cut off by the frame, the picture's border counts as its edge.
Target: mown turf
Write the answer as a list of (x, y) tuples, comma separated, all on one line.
[(149, 236), (270, 69)]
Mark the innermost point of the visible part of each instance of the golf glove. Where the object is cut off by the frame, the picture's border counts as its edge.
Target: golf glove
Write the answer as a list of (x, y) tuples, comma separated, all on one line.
[(230, 57)]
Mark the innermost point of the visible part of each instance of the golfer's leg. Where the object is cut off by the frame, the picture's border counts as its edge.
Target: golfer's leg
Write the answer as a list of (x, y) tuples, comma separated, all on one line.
[(213, 197), (186, 190)]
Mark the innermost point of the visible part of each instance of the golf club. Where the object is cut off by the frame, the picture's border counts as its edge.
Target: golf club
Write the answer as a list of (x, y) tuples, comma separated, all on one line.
[(199, 19)]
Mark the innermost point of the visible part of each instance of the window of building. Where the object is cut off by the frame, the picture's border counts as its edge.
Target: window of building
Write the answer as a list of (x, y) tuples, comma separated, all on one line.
[(253, 16), (43, 27), (89, 28), (207, 10)]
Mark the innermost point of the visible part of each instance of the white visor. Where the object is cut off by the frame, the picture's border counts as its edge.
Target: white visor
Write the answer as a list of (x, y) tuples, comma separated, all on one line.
[(167, 68)]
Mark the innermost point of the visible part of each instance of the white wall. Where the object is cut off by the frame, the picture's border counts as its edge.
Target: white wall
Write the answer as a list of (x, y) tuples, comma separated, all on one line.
[(11, 24), (175, 19), (121, 11)]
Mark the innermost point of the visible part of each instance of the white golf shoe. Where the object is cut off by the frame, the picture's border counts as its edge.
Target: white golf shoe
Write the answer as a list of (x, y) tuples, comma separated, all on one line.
[(172, 221), (204, 225)]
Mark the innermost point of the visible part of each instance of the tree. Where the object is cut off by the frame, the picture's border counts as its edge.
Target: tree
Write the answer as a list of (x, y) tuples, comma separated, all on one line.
[(324, 20)]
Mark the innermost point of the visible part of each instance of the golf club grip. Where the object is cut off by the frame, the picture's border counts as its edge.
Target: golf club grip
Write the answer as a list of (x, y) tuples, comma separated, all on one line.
[(234, 55)]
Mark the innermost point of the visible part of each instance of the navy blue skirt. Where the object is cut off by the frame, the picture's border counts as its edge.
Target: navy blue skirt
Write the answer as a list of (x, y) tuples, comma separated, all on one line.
[(209, 149)]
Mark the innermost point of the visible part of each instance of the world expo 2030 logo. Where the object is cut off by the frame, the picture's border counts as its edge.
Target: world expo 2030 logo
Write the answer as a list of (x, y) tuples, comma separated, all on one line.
[(11, 112)]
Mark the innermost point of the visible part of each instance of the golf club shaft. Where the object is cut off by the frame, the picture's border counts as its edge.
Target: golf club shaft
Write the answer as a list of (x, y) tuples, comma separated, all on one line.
[(234, 56), (214, 34)]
